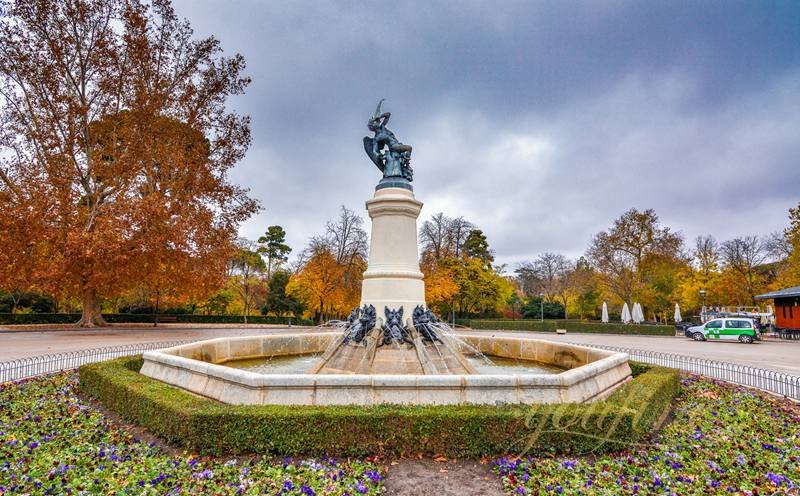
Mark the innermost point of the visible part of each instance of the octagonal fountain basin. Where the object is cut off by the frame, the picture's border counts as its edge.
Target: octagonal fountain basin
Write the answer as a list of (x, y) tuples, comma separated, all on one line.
[(272, 369)]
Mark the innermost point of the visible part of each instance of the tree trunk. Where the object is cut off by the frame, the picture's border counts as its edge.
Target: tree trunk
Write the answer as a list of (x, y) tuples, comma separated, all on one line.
[(91, 315), (246, 302), (16, 296)]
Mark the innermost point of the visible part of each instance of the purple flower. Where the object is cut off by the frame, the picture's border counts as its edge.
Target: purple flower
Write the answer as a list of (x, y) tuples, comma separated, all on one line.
[(361, 488), (307, 490), (373, 476), (778, 479), (205, 474)]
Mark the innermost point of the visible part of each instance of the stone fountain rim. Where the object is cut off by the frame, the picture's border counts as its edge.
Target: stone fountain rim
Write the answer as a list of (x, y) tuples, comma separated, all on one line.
[(165, 365)]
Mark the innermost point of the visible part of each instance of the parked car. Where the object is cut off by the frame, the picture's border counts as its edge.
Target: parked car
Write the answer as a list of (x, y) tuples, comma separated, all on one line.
[(728, 329), (684, 327)]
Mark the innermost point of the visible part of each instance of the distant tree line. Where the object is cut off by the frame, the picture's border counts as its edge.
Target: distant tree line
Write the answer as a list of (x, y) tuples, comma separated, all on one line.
[(638, 259)]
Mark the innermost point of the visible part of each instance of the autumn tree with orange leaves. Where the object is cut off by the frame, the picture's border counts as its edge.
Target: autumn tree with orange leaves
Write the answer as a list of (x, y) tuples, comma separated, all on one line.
[(319, 284), (116, 143), (328, 276)]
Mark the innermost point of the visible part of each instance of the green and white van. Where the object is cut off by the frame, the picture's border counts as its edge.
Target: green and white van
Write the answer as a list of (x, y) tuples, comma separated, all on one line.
[(726, 329)]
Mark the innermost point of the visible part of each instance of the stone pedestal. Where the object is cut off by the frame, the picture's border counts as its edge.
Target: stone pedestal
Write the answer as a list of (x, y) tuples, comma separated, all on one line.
[(393, 277)]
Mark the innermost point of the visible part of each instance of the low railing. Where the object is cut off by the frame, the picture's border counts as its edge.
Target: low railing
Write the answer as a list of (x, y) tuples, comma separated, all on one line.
[(22, 368), (793, 334), (766, 380)]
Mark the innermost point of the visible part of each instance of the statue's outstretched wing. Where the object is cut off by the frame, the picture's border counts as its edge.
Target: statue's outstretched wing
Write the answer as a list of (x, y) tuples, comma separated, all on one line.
[(369, 148)]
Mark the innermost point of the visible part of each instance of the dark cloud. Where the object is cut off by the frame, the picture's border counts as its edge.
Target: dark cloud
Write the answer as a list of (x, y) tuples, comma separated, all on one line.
[(541, 122)]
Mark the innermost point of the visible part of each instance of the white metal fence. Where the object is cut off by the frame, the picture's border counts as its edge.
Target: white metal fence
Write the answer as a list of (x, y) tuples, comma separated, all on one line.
[(766, 380), (22, 368)]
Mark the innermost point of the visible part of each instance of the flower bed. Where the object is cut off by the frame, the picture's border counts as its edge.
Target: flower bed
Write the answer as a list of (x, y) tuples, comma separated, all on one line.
[(725, 439), (51, 442)]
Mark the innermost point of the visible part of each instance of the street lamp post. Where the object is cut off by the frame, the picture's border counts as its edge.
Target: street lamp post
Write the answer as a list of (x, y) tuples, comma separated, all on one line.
[(541, 307), (703, 296)]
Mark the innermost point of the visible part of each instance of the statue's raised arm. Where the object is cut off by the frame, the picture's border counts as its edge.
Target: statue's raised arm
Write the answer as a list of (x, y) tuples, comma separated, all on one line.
[(391, 157)]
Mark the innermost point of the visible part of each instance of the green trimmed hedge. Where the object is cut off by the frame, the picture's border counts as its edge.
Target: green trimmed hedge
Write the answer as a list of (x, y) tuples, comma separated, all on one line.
[(200, 424), (139, 318), (38, 318), (569, 325)]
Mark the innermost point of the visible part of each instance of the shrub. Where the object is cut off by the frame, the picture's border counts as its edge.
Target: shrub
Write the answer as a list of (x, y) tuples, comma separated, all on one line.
[(137, 307), (454, 430), (38, 318), (533, 308), (570, 326), (35, 302)]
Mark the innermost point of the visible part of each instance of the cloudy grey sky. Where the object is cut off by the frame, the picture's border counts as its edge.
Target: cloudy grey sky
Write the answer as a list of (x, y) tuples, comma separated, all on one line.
[(541, 122)]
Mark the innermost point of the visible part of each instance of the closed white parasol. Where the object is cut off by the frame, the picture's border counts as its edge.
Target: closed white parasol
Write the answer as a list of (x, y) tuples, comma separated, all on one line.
[(637, 315), (626, 313)]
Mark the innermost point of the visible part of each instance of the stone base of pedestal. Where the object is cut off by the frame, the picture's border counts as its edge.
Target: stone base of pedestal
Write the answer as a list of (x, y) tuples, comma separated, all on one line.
[(392, 292)]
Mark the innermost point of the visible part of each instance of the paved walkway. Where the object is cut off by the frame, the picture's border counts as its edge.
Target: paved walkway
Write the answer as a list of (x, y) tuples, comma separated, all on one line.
[(773, 354), (783, 356), (18, 344)]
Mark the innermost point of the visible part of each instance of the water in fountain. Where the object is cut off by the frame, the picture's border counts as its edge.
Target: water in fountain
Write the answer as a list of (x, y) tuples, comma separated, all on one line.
[(341, 330), (444, 330), (300, 364)]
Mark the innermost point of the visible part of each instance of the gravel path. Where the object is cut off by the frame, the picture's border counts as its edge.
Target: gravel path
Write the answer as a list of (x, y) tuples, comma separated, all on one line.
[(427, 477)]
